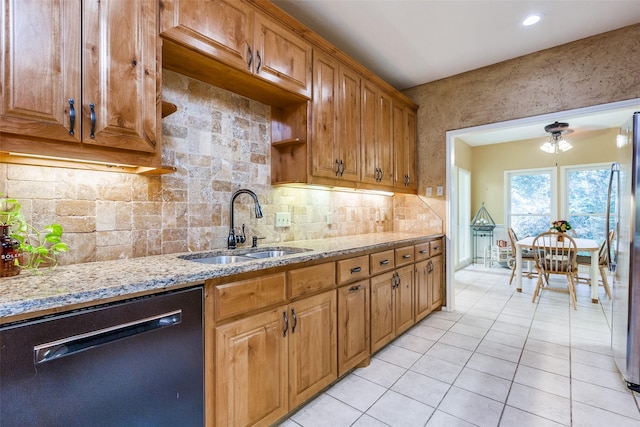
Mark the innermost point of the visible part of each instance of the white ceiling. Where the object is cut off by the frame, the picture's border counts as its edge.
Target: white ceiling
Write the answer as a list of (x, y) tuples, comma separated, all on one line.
[(411, 42)]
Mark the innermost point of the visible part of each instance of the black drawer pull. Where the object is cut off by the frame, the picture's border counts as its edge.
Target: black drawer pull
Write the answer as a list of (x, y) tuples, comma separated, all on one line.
[(384, 262), (424, 251), (436, 248), (355, 288), (356, 270), (407, 256)]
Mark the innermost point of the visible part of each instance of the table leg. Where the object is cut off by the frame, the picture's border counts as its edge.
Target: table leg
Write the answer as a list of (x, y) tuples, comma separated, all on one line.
[(594, 274), (518, 268)]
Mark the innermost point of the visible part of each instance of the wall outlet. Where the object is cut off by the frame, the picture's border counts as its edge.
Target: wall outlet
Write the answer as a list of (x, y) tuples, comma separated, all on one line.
[(440, 190), (429, 192), (283, 219)]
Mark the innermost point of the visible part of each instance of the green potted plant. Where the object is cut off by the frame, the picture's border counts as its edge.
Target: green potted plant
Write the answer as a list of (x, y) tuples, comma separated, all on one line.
[(23, 245)]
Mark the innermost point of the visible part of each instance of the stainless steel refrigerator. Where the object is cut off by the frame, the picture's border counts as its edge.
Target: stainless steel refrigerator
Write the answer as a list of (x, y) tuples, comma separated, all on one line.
[(624, 216)]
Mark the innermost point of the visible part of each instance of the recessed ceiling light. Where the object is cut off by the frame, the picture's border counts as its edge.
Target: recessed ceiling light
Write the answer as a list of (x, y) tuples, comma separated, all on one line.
[(532, 19)]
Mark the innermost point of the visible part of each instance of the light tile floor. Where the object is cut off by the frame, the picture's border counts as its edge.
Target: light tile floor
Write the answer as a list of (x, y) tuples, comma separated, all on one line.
[(498, 360)]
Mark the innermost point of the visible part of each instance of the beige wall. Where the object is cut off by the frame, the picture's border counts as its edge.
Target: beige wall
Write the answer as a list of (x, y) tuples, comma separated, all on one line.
[(490, 162), (463, 155), (592, 71), (219, 142)]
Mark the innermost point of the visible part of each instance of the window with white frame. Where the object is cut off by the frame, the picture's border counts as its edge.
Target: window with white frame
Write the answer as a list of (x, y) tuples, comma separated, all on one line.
[(530, 200), (584, 198)]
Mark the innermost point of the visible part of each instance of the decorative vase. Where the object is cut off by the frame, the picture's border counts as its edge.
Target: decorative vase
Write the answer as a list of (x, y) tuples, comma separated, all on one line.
[(9, 254), (560, 236)]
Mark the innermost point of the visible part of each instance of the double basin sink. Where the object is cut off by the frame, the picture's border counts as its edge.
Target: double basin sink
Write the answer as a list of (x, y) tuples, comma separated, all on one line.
[(251, 255)]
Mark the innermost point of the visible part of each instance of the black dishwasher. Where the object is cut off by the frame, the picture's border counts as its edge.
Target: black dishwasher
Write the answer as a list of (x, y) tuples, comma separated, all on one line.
[(132, 363)]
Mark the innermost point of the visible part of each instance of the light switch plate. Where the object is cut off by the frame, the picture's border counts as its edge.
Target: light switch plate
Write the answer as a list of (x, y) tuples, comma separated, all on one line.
[(440, 190), (283, 219)]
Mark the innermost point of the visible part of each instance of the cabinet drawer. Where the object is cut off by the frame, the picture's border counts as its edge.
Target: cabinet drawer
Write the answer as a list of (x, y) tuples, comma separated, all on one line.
[(422, 251), (353, 269), (404, 256), (310, 279), (239, 297), (435, 247), (382, 261)]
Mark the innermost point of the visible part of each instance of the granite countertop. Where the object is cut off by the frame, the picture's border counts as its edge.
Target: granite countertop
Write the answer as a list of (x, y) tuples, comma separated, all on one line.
[(27, 295)]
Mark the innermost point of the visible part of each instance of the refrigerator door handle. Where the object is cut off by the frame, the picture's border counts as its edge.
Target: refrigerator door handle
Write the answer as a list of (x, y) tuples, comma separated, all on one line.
[(615, 170)]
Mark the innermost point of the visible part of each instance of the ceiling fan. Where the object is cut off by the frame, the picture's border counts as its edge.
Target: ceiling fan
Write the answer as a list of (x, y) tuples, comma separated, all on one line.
[(556, 142)]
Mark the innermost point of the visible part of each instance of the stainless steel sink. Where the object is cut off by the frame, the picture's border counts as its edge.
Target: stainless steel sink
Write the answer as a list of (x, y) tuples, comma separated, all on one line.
[(271, 253), (222, 259)]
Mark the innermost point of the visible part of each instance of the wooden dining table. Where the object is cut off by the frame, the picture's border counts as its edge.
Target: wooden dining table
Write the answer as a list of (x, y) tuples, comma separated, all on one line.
[(583, 245)]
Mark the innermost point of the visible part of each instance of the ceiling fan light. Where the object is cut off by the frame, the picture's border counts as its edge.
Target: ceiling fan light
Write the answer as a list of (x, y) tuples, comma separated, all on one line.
[(564, 145), (548, 147)]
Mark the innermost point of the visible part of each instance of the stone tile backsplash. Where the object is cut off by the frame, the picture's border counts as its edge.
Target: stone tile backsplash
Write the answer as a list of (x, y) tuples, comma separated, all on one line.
[(219, 142)]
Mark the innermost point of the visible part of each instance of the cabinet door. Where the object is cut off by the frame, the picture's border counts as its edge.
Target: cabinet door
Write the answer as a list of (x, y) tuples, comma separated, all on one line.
[(435, 279), (281, 57), (353, 325), (422, 294), (251, 370), (377, 135), (324, 144), (40, 69), (410, 148), (223, 29), (349, 124), (312, 346), (119, 74), (382, 314), (404, 146), (404, 299)]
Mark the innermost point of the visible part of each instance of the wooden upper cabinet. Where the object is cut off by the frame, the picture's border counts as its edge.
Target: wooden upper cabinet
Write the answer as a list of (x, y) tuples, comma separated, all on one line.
[(40, 68), (222, 42), (377, 135), (336, 119), (281, 57), (324, 147), (220, 29), (78, 77), (119, 74), (404, 143), (349, 123)]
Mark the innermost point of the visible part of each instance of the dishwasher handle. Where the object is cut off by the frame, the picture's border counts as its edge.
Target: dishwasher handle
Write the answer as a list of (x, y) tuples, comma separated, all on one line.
[(77, 343)]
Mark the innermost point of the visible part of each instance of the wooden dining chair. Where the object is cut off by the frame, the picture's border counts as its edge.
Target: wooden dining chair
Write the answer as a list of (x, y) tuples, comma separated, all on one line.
[(603, 264), (555, 256), (527, 255)]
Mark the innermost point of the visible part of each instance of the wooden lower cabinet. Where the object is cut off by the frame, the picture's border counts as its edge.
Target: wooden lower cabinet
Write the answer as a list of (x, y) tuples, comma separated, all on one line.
[(391, 306), (353, 325), (252, 361), (312, 346), (269, 363), (435, 282)]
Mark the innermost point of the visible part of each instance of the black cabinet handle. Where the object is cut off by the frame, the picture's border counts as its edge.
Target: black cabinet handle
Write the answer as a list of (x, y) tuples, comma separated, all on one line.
[(295, 320), (436, 248), (259, 61), (430, 268), (384, 262), (286, 323), (356, 270), (337, 167), (407, 256), (72, 117), (355, 288), (250, 58), (424, 251), (341, 167), (92, 131)]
